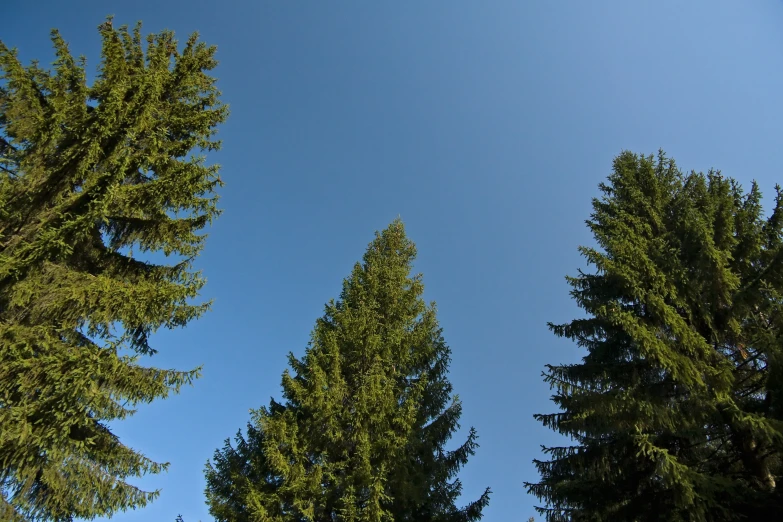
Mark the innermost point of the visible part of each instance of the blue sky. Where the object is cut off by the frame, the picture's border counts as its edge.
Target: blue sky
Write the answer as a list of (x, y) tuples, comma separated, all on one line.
[(486, 125)]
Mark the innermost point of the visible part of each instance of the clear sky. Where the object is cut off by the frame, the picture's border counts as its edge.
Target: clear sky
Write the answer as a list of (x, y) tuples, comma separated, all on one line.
[(486, 125)]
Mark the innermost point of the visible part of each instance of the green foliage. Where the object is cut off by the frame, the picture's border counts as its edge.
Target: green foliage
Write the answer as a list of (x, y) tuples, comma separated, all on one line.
[(368, 411), (675, 410), (87, 175)]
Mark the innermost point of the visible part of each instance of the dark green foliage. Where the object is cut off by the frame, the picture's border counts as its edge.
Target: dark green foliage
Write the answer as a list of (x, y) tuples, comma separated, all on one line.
[(675, 410), (367, 414), (89, 174)]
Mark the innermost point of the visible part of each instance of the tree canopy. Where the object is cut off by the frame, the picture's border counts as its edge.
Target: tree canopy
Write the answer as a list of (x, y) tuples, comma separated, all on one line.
[(368, 410), (91, 178), (675, 411)]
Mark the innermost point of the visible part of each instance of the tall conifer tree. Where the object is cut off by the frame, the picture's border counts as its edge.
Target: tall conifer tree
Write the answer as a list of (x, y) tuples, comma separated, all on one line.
[(675, 411), (361, 435), (88, 175)]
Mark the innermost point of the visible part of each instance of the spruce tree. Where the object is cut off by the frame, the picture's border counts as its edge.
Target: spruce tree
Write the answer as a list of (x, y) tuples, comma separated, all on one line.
[(90, 177), (675, 410), (367, 414)]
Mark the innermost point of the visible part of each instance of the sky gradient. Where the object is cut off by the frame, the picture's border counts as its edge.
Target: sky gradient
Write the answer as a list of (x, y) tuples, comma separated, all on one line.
[(486, 126)]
